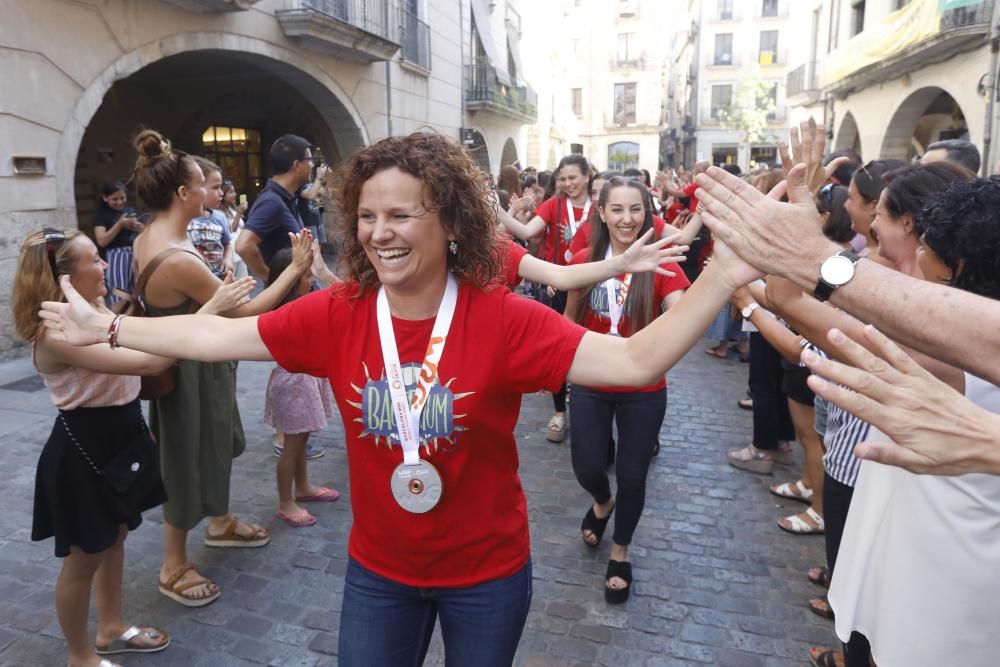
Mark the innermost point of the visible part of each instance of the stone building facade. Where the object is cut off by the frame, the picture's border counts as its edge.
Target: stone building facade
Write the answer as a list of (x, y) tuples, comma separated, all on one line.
[(227, 77)]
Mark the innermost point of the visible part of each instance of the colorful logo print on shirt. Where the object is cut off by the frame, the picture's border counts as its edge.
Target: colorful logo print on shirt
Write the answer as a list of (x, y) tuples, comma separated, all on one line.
[(599, 299), (438, 430)]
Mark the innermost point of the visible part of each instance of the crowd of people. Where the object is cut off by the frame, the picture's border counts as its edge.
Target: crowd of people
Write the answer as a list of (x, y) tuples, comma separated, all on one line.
[(588, 284)]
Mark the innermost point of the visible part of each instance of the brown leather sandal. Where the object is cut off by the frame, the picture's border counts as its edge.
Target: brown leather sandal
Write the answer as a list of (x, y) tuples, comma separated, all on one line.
[(231, 539), (173, 589)]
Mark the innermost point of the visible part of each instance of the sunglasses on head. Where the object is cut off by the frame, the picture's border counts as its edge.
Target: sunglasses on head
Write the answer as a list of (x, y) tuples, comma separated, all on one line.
[(53, 241)]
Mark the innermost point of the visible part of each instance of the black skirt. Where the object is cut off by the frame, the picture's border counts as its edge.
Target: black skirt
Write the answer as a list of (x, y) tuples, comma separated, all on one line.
[(73, 503)]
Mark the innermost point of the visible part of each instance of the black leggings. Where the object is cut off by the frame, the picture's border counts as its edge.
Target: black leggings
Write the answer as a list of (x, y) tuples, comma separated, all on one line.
[(836, 503), (771, 419), (558, 304), (638, 416)]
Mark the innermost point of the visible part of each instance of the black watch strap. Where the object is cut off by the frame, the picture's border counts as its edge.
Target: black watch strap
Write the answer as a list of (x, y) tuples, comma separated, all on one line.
[(824, 290)]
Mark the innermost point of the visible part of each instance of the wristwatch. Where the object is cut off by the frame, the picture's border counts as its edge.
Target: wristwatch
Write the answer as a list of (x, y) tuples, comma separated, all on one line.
[(748, 310), (835, 272)]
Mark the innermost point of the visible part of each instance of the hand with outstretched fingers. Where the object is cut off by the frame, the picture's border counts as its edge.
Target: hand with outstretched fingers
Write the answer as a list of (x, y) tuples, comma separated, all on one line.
[(302, 250), (230, 295), (933, 428), (808, 143), (74, 321), (761, 229), (643, 256)]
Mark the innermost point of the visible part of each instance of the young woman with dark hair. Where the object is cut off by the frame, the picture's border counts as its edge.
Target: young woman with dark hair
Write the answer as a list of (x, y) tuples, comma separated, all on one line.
[(115, 228), (862, 200), (619, 306), (440, 521)]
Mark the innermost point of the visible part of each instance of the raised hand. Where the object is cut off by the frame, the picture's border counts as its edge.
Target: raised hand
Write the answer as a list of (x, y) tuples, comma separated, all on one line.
[(643, 256), (302, 250), (808, 145), (933, 428), (76, 321), (230, 295), (762, 230)]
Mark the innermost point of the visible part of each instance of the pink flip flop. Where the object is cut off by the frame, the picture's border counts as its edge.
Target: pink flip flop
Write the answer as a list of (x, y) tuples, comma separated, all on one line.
[(325, 494), (302, 519)]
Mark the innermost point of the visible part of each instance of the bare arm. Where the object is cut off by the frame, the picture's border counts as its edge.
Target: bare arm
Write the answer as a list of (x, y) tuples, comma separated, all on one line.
[(690, 231), (785, 239), (105, 235), (99, 358), (644, 357), (522, 230), (248, 247)]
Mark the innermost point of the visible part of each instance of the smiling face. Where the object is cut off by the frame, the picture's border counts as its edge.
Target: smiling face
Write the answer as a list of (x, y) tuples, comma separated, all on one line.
[(624, 214), (406, 243), (116, 200), (861, 211), (88, 276), (572, 181), (895, 235)]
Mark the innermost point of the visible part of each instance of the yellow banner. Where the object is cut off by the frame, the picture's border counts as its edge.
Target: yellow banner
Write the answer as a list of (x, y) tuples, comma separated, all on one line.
[(915, 22)]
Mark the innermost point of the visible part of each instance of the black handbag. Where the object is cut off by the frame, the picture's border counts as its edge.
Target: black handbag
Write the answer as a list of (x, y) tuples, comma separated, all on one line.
[(131, 475)]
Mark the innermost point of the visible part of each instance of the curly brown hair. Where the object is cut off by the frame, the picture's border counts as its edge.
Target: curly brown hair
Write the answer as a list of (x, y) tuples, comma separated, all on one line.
[(454, 188)]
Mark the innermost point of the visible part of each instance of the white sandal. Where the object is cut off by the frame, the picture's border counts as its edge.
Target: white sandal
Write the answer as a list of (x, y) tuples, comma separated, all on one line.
[(800, 527), (793, 491), (557, 428)]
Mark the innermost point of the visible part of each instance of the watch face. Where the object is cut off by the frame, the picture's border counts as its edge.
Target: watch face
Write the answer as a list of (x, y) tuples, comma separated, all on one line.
[(837, 270)]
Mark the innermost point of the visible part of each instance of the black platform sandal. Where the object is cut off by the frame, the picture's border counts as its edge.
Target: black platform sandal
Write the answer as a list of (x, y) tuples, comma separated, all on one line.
[(622, 571), (594, 525)]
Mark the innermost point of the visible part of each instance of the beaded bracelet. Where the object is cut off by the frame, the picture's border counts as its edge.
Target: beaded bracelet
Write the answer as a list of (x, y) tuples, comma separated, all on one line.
[(113, 331)]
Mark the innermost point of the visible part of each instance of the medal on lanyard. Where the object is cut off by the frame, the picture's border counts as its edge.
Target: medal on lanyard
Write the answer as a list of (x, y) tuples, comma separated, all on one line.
[(572, 225), (415, 483), (616, 303)]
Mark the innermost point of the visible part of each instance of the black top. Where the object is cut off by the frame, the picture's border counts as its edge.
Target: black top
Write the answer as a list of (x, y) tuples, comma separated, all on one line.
[(106, 217), (273, 215)]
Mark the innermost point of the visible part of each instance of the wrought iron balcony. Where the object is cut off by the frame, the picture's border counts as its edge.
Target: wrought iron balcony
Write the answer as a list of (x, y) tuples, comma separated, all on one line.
[(213, 6), (416, 41), (484, 92), (359, 30)]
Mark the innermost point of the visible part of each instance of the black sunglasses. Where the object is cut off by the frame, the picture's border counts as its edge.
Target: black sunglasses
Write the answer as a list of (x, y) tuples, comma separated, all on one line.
[(53, 241)]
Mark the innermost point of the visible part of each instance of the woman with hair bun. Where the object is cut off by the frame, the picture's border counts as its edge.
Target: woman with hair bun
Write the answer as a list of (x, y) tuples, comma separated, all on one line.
[(440, 518), (197, 424), (95, 389)]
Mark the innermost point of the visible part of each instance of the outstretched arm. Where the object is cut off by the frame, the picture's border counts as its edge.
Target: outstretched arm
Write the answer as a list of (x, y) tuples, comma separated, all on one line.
[(522, 230), (196, 337), (639, 258)]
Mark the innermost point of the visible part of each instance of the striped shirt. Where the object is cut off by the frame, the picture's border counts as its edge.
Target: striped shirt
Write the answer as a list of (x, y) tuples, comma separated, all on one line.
[(844, 432)]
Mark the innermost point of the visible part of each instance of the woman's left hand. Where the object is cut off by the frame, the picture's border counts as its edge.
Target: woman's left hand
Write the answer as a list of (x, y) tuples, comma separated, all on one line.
[(642, 256), (302, 250), (741, 298), (76, 321)]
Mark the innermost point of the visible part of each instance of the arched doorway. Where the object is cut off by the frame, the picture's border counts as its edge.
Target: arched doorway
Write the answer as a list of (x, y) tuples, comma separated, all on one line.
[(480, 151), (509, 154), (848, 136), (185, 84), (927, 115)]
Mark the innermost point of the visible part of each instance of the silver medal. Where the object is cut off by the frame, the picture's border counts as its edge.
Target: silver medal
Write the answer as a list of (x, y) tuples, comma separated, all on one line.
[(416, 488), (568, 255)]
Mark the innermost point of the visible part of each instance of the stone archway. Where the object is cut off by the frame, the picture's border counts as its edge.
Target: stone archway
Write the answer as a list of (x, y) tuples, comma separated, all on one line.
[(345, 127), (925, 116), (509, 154), (848, 137), (480, 151)]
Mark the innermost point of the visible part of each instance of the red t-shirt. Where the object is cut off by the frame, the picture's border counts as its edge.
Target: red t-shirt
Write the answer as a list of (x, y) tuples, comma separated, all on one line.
[(597, 315), (689, 191), (513, 254), (553, 211), (582, 239), (501, 346)]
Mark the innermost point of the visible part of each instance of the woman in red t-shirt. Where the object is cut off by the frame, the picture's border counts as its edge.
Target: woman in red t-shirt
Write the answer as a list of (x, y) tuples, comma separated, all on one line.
[(620, 306), (428, 361)]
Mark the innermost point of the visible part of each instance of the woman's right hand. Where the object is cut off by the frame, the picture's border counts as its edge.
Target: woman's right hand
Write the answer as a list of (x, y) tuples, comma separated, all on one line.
[(230, 295), (76, 321), (643, 256)]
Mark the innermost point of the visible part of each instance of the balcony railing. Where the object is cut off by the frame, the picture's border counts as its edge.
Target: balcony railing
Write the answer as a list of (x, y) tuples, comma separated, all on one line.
[(213, 6), (416, 41), (484, 92), (359, 30)]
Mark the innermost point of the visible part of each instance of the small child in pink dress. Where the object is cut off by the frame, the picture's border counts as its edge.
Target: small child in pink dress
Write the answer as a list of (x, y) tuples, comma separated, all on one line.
[(296, 405)]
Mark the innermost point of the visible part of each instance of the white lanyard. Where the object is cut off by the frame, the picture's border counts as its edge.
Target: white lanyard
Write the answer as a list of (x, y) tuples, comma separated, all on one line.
[(616, 303), (572, 224), (407, 414)]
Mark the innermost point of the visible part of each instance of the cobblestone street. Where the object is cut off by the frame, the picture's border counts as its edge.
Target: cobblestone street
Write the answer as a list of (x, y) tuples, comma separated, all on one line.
[(717, 582)]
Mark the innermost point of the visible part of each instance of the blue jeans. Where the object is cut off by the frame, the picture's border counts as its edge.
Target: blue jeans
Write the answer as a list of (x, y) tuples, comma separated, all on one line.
[(389, 624)]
